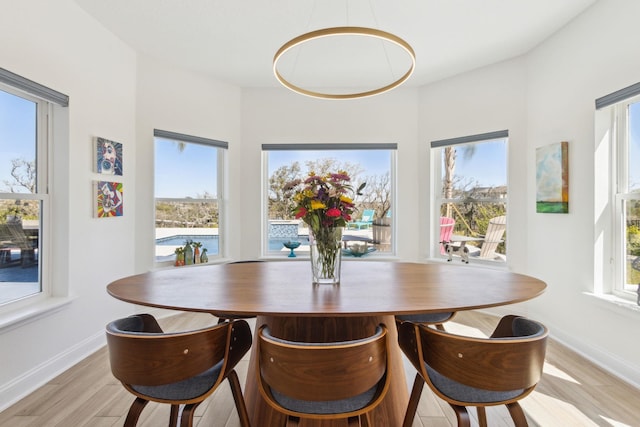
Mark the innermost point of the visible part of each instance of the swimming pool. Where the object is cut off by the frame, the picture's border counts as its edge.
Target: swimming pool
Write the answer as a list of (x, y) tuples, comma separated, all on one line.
[(211, 243)]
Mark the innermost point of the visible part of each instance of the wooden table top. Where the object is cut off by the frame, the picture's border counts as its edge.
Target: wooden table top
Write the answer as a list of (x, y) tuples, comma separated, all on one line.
[(366, 288)]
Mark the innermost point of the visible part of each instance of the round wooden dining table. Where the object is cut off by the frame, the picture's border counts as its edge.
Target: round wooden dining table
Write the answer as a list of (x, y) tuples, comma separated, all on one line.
[(281, 295)]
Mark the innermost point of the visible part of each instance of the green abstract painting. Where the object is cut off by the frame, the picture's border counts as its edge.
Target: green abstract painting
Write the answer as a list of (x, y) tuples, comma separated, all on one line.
[(552, 178)]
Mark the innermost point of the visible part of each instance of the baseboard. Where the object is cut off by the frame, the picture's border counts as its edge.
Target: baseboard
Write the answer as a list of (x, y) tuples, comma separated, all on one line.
[(35, 378)]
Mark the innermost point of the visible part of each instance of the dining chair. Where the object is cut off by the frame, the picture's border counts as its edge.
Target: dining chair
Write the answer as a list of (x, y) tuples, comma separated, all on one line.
[(435, 319), (178, 368), (323, 381), (480, 372)]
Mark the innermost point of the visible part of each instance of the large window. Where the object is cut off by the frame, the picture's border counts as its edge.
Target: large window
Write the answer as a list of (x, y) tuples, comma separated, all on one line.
[(23, 193), (372, 223), (188, 194), (627, 197), (471, 206)]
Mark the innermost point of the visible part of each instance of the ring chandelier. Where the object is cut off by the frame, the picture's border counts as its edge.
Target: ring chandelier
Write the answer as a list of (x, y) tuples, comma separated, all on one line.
[(344, 31)]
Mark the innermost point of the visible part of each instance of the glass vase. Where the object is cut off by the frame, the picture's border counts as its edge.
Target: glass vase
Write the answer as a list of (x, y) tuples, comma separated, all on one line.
[(326, 255)]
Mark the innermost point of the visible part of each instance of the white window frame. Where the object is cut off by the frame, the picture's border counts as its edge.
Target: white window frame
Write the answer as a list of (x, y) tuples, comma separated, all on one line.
[(44, 113), (266, 148), (621, 195), (437, 149), (221, 147)]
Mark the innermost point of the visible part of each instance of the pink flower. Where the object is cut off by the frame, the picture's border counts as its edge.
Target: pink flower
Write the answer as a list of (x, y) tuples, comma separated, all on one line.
[(334, 213), (301, 212)]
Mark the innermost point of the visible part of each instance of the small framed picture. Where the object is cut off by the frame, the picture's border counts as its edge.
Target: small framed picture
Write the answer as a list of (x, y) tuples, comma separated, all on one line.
[(108, 158), (108, 199)]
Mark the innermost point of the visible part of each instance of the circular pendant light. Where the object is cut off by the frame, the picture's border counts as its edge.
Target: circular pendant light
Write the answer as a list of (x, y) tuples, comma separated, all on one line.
[(344, 31)]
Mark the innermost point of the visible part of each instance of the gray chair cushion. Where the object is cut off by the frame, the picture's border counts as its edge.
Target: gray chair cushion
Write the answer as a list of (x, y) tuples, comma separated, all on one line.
[(183, 390), (325, 407), (465, 393)]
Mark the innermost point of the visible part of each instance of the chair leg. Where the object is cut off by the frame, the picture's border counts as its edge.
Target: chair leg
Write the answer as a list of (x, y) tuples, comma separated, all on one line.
[(173, 418), (355, 422), (461, 415), (134, 412), (440, 327), (236, 391), (482, 416), (414, 399), (517, 414), (186, 420)]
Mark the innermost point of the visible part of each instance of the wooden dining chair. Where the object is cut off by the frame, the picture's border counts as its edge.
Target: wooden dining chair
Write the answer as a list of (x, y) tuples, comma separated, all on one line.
[(182, 368), (480, 372), (323, 381), (435, 319)]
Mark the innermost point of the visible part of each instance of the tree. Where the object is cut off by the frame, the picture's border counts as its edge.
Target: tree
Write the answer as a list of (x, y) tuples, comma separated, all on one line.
[(280, 203), (280, 193), (377, 194), (23, 173)]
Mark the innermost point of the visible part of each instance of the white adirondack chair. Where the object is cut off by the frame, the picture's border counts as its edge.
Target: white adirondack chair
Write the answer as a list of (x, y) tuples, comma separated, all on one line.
[(493, 237)]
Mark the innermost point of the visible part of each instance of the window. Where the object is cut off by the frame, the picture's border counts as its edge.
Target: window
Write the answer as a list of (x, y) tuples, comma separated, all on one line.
[(23, 193), (627, 197), (188, 194), (471, 191), (373, 164), (617, 194)]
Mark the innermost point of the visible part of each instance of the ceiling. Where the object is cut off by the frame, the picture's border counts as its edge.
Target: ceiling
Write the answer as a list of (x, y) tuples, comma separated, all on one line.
[(235, 40)]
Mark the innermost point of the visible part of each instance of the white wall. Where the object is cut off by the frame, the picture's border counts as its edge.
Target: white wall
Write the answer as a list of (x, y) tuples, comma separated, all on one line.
[(58, 45)]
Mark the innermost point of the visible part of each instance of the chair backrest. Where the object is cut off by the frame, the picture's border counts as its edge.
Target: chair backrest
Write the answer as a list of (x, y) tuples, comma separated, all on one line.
[(512, 359), (141, 354), (367, 215), (322, 371), (493, 237), (15, 233), (446, 230)]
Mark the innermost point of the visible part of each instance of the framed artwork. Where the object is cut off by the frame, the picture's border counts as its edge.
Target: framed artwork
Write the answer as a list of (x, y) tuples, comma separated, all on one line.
[(552, 178), (108, 200), (108, 157)]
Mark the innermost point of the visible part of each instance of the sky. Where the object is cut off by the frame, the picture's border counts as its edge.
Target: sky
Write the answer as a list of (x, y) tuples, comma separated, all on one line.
[(17, 133), (187, 173), (487, 166)]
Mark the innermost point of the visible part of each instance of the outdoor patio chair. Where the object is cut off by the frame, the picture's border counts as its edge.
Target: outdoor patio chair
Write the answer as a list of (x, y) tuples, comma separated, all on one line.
[(365, 220), (446, 230), (493, 237), (468, 371), (180, 368)]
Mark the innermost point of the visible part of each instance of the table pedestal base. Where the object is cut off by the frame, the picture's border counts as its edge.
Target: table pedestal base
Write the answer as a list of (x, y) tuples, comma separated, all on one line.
[(322, 329)]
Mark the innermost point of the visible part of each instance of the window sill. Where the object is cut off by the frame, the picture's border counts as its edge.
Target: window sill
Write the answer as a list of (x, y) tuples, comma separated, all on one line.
[(29, 313), (613, 301)]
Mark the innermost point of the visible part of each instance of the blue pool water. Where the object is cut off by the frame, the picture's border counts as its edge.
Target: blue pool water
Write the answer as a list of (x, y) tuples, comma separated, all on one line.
[(211, 243)]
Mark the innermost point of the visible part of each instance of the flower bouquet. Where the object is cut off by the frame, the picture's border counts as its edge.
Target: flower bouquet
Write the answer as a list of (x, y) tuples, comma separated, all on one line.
[(324, 204)]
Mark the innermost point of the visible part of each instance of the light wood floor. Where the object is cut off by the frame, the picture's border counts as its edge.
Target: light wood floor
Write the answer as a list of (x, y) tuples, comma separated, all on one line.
[(573, 392)]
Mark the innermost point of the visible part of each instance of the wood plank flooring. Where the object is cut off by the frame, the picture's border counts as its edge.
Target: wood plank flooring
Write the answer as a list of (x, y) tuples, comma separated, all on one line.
[(573, 392)]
